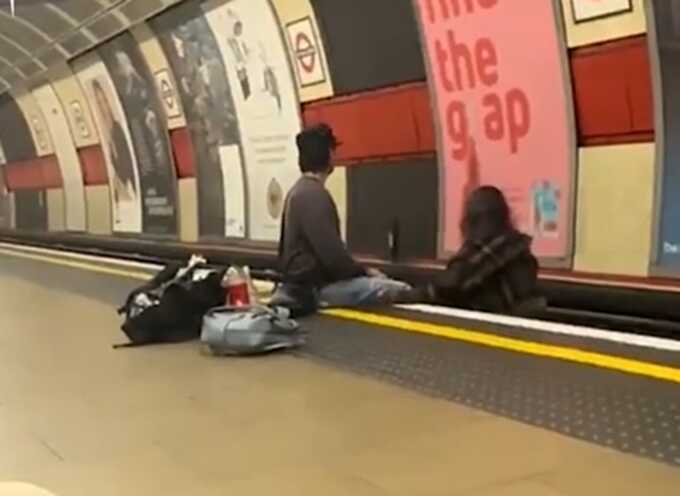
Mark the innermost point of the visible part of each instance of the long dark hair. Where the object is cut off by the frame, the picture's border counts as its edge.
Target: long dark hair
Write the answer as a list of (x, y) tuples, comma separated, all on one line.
[(486, 215)]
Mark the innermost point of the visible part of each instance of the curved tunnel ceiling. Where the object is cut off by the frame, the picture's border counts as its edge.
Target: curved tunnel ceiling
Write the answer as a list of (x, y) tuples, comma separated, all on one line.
[(40, 33)]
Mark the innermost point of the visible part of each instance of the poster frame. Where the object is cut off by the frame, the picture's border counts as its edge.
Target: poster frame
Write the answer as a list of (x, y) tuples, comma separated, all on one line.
[(294, 63), (163, 119), (655, 268), (197, 10), (81, 64), (249, 240), (583, 20), (563, 262)]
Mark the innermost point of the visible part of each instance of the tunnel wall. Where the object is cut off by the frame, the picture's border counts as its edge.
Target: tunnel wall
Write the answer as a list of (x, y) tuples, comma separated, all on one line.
[(220, 154)]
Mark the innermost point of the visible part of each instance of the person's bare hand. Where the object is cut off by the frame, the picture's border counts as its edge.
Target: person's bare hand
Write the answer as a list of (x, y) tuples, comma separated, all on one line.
[(376, 273)]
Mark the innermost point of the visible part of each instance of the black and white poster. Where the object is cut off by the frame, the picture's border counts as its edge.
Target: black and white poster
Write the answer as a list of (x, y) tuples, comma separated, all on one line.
[(267, 106), (206, 96), (5, 195), (136, 90), (116, 143)]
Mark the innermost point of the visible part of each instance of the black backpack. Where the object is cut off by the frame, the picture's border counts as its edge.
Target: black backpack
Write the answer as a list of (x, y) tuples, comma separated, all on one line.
[(170, 307)]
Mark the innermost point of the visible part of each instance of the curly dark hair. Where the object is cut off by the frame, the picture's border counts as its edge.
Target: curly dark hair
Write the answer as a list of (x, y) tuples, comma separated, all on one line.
[(486, 215)]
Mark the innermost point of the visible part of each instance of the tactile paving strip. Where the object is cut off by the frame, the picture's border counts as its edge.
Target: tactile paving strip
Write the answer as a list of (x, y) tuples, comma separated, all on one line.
[(628, 413)]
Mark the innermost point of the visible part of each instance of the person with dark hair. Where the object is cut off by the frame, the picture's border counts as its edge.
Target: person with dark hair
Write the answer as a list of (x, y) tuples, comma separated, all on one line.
[(312, 256), (494, 270)]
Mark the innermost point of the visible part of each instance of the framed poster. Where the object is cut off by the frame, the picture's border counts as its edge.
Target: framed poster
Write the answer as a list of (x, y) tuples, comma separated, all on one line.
[(664, 55), (125, 188), (305, 48), (205, 94), (5, 195), (304, 42), (588, 10), (266, 104), (136, 89), (498, 119)]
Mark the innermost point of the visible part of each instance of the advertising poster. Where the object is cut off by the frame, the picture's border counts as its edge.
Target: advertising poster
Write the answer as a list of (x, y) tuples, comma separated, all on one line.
[(500, 121), (69, 163), (192, 52), (267, 107), (18, 149), (137, 93), (667, 51), (121, 164), (5, 195)]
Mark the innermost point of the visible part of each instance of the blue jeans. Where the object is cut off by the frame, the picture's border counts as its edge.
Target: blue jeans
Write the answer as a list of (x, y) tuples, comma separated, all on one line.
[(361, 291)]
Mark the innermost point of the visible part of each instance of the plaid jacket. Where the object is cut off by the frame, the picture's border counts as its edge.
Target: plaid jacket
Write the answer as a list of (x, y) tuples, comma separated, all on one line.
[(493, 276)]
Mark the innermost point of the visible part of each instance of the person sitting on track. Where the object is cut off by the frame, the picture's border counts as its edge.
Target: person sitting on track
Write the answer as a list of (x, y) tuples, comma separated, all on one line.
[(313, 259), (494, 271)]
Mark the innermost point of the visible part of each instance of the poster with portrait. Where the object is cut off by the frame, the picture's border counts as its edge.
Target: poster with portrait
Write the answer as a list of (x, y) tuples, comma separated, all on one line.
[(136, 90), (267, 106), (665, 54), (501, 122), (5, 195), (124, 184), (199, 70)]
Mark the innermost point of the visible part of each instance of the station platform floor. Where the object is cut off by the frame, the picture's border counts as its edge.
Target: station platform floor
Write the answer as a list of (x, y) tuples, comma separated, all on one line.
[(397, 402)]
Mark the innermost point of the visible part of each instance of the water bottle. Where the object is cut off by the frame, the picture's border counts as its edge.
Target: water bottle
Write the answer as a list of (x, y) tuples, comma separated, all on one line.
[(236, 286)]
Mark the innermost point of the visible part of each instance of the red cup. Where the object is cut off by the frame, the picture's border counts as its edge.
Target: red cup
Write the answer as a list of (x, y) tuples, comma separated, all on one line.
[(239, 295)]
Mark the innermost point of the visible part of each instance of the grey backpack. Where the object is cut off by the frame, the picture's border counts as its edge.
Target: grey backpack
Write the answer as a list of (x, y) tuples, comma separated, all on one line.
[(249, 330)]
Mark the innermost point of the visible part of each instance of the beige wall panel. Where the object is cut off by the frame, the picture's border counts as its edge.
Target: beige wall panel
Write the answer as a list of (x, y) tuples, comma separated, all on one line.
[(337, 186), (165, 81), (69, 162), (188, 210), (614, 209), (98, 209), (300, 28), (76, 108), (605, 28), (36, 122), (56, 210)]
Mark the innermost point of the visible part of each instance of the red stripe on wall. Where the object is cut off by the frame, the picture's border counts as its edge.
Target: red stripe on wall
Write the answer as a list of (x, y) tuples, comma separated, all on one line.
[(383, 123), (613, 92), (38, 173), (183, 151), (93, 165)]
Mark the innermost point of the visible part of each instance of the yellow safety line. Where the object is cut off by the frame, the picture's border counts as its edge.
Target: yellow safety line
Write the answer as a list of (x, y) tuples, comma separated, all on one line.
[(79, 265), (610, 362), (93, 267)]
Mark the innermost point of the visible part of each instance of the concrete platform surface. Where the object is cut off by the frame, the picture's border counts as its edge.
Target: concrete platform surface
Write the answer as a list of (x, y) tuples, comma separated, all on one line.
[(79, 418)]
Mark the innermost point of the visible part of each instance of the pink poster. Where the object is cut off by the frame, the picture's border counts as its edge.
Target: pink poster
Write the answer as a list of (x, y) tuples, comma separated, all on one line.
[(500, 92)]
